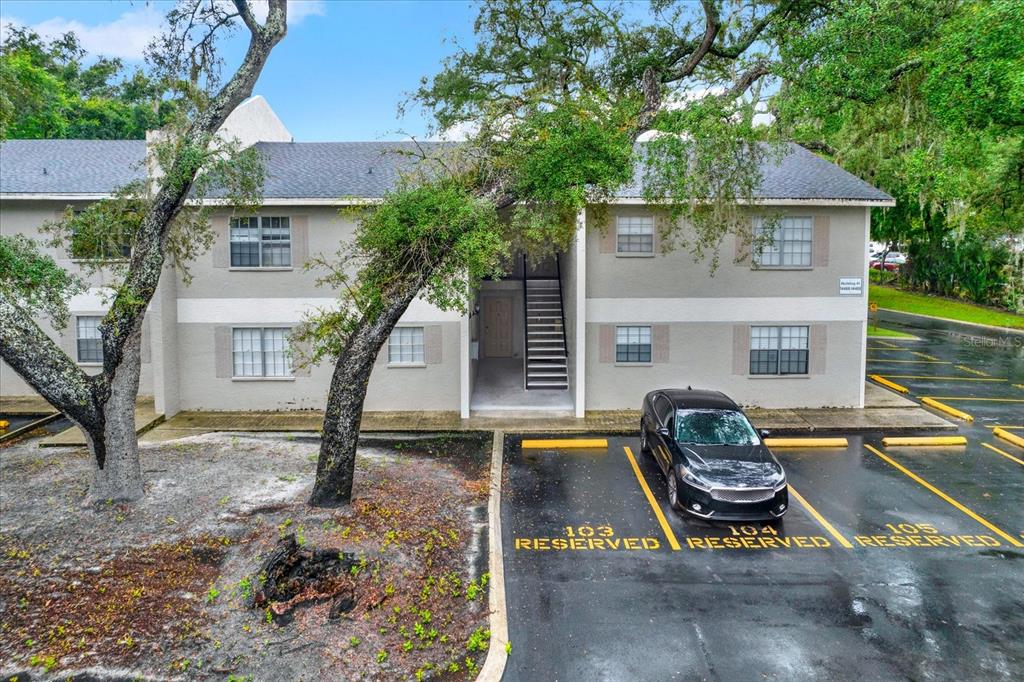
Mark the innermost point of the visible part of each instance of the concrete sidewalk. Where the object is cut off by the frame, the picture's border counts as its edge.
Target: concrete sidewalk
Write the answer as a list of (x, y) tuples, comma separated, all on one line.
[(885, 411)]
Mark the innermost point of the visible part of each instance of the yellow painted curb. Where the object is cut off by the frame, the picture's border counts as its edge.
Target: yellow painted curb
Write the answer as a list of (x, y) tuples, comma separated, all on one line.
[(943, 407), (806, 442), (925, 440), (563, 443), (999, 432), (888, 384)]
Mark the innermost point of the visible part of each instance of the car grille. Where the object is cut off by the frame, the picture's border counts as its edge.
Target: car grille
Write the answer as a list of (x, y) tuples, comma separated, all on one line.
[(742, 494)]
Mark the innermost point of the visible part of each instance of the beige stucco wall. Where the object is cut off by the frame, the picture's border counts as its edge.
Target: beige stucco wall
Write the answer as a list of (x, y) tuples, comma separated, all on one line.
[(701, 355), (429, 387), (26, 217), (676, 274)]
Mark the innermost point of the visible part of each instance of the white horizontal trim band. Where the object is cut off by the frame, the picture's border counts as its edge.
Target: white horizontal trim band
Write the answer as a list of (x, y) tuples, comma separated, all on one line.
[(749, 309), (285, 310)]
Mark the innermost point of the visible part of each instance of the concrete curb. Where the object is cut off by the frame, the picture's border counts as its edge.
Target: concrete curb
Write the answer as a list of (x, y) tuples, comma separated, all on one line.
[(494, 665)]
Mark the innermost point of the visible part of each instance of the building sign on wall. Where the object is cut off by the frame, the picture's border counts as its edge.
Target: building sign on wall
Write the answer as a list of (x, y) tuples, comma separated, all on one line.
[(851, 286)]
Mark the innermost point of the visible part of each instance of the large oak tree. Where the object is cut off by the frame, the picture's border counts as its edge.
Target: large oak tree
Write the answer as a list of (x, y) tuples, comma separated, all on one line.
[(559, 93), (157, 219)]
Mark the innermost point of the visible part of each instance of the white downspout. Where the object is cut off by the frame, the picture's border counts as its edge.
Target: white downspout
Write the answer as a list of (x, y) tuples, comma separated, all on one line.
[(581, 314)]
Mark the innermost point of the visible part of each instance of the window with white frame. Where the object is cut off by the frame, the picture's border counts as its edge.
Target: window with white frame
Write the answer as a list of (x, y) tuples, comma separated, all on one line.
[(634, 234), (260, 352), (785, 243), (261, 242), (88, 339), (778, 350), (405, 346), (633, 344)]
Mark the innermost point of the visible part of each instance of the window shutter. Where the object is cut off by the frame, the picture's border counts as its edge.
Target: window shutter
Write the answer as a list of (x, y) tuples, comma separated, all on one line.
[(608, 237), (606, 343), (222, 352), (300, 240), (818, 344), (741, 349), (69, 338), (221, 241), (146, 351), (433, 343), (821, 227), (659, 343)]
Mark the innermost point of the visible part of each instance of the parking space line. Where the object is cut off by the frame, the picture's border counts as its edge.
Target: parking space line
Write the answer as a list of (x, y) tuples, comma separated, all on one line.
[(915, 362), (914, 477), (971, 370), (887, 344), (967, 398), (885, 348), (1004, 427), (1007, 455), (923, 355), (938, 377), (820, 519), (665, 528)]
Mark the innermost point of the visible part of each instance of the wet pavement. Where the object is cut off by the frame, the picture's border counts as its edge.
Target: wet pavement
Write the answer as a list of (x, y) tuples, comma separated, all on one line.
[(892, 563)]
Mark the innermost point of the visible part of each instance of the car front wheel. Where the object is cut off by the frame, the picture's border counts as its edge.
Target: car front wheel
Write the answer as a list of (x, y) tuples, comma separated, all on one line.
[(645, 447), (673, 492)]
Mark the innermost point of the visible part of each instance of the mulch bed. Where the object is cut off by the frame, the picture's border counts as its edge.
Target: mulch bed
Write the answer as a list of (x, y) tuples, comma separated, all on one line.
[(223, 571)]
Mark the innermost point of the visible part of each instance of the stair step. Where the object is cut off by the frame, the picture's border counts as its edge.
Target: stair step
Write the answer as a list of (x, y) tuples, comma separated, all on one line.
[(547, 384), (532, 333)]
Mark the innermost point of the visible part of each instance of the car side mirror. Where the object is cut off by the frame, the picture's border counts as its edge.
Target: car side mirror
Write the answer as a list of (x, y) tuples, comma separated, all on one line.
[(764, 433), (664, 431)]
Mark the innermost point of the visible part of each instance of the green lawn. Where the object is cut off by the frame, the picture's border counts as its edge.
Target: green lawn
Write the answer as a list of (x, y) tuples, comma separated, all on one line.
[(878, 331), (936, 306)]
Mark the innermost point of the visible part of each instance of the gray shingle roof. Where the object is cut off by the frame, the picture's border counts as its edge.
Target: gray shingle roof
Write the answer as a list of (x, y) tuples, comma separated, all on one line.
[(332, 170), (70, 166)]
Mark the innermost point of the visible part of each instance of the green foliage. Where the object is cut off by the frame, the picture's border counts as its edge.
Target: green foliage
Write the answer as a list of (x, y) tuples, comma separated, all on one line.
[(924, 99), (47, 92), (34, 281)]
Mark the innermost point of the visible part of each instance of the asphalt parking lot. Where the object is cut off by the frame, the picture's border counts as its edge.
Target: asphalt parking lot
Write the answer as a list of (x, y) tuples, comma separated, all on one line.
[(892, 563)]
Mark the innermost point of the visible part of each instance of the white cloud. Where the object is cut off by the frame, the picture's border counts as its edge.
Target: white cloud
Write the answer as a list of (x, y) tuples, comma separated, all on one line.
[(128, 35), (125, 37)]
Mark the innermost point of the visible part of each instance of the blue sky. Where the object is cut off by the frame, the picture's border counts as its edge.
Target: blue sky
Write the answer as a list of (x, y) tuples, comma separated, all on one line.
[(338, 75)]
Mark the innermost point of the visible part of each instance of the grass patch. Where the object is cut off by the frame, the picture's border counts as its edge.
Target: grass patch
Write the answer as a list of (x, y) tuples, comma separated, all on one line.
[(878, 331), (937, 306)]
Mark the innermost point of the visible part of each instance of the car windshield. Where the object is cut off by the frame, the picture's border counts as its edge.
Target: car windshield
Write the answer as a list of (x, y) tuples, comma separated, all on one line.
[(714, 427)]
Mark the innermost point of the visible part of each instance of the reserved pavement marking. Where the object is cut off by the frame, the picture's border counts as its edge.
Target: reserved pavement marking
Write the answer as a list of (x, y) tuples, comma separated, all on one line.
[(1008, 437), (914, 477), (820, 519), (943, 407), (939, 377), (587, 537), (924, 440), (1007, 455), (564, 443), (971, 370), (888, 384), (665, 528)]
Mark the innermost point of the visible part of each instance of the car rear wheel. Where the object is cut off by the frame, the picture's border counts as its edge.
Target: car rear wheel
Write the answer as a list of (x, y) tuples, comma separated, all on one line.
[(673, 492), (645, 447)]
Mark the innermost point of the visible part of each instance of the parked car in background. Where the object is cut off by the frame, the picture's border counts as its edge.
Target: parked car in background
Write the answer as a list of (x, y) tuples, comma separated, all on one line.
[(715, 463)]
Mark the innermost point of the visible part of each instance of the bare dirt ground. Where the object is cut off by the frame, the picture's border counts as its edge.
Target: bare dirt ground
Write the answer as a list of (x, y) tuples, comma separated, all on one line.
[(170, 587)]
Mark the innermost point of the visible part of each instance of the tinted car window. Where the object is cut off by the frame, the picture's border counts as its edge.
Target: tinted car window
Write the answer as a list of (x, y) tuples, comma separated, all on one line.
[(662, 408), (714, 427)]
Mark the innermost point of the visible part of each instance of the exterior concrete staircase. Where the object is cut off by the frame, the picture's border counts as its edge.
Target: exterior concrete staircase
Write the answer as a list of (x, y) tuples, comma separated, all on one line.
[(546, 358)]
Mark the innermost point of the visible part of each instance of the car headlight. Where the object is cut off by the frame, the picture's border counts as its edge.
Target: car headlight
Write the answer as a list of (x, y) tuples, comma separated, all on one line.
[(781, 484), (690, 478)]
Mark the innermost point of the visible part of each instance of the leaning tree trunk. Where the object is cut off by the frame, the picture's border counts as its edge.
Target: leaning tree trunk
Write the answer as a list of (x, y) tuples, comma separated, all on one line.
[(117, 474), (344, 414)]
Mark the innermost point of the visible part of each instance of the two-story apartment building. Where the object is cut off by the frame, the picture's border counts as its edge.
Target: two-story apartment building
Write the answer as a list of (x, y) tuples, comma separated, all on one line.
[(594, 329)]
